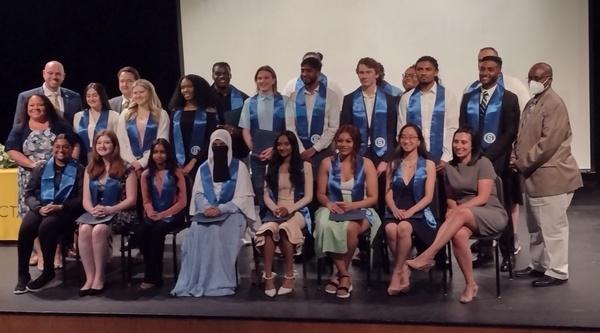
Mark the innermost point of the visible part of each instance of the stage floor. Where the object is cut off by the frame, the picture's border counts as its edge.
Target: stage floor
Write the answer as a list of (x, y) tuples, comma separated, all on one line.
[(572, 305)]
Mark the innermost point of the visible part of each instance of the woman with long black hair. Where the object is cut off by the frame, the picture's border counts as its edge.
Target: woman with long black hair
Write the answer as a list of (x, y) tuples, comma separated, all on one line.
[(288, 191)]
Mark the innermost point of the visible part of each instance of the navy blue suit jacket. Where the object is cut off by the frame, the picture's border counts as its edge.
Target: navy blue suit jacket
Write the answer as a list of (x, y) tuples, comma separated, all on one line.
[(71, 101)]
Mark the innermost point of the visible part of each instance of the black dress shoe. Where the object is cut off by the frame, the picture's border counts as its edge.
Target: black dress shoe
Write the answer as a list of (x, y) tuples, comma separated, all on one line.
[(528, 272), (505, 264), (548, 281), (84, 292)]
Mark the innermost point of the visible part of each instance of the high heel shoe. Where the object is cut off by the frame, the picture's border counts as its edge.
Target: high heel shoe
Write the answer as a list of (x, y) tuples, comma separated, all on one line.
[(84, 292), (270, 292), (283, 290), (403, 288), (95, 292), (425, 267), (464, 299)]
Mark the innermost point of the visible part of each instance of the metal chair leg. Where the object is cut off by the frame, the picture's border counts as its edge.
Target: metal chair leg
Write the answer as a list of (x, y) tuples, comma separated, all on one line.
[(174, 247), (497, 261)]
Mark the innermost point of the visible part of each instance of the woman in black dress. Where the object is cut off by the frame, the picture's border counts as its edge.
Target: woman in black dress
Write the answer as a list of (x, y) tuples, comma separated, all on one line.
[(410, 182), (193, 118)]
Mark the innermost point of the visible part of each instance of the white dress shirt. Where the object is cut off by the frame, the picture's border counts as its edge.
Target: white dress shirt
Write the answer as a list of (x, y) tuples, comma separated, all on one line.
[(290, 87), (451, 116), (50, 94), (516, 87), (330, 123)]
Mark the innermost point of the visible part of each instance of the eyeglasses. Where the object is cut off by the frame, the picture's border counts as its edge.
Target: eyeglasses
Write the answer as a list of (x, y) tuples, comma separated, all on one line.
[(408, 137), (409, 75)]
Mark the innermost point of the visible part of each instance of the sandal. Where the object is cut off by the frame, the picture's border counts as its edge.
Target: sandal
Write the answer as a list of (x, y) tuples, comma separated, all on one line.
[(333, 284), (343, 291)]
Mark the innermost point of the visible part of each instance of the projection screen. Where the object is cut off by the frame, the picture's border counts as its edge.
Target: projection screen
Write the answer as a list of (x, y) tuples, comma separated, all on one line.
[(248, 34)]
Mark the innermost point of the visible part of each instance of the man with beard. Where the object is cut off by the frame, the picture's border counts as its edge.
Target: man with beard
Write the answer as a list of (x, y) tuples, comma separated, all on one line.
[(229, 104), (294, 85), (433, 108), (313, 113), (492, 111)]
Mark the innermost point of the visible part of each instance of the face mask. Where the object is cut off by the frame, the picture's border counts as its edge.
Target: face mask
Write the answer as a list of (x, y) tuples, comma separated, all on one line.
[(220, 169), (536, 87)]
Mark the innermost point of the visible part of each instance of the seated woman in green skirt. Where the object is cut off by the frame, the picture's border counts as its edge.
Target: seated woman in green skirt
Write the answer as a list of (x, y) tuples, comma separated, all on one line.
[(347, 189)]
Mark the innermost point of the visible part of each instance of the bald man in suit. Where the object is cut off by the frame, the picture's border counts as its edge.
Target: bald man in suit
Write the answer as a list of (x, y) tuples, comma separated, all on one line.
[(543, 156), (65, 101)]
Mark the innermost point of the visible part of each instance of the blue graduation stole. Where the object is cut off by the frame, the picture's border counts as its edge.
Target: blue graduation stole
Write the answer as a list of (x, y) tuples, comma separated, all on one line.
[(390, 89), (491, 122), (300, 83), (149, 136), (228, 188), (334, 182), (477, 84), (379, 122), (317, 120), (84, 122), (298, 194), (49, 193), (111, 194), (436, 135), (198, 134), (278, 113), (235, 98), (166, 198), (418, 188)]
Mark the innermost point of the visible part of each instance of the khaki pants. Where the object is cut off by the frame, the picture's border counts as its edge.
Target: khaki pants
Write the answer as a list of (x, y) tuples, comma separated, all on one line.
[(548, 227)]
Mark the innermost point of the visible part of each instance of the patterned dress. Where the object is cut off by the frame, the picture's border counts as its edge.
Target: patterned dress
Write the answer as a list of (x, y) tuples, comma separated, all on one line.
[(37, 146)]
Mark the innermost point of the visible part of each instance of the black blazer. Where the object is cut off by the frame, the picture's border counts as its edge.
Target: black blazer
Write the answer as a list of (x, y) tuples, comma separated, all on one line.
[(499, 151), (346, 117)]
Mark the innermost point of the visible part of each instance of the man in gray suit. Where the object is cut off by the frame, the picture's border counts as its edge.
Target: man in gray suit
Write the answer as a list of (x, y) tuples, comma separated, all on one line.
[(65, 101), (542, 155), (127, 76)]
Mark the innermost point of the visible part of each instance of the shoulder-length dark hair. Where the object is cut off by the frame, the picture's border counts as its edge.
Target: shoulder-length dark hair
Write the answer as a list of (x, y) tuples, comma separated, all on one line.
[(421, 149), (203, 95), (96, 167), (51, 114), (475, 146), (355, 135), (101, 92), (171, 162), (296, 163)]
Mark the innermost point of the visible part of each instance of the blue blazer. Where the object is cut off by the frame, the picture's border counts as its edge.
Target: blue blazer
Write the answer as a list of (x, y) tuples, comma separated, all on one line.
[(71, 100)]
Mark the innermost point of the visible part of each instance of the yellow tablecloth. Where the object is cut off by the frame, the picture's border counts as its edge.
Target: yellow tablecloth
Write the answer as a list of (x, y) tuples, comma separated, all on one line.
[(9, 193)]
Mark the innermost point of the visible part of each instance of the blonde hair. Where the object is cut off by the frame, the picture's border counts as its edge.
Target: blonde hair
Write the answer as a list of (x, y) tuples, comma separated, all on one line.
[(154, 104)]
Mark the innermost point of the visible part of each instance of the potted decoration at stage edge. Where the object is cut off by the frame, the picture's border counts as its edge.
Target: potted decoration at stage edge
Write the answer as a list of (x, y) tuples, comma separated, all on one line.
[(5, 161)]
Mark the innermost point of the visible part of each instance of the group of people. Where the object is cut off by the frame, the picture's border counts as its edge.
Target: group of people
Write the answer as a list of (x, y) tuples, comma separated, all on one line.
[(375, 157)]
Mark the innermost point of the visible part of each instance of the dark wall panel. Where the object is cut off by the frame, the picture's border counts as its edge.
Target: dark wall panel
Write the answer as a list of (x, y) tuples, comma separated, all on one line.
[(93, 39)]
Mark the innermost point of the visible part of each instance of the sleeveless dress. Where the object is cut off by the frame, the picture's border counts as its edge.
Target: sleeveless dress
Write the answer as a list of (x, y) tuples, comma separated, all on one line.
[(405, 200), (331, 236), (292, 227)]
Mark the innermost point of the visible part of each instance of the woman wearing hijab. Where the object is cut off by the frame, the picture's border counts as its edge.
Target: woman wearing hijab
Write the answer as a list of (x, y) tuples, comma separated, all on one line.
[(222, 204)]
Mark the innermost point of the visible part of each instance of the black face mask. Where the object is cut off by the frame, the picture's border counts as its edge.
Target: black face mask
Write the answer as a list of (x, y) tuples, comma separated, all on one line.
[(220, 167)]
